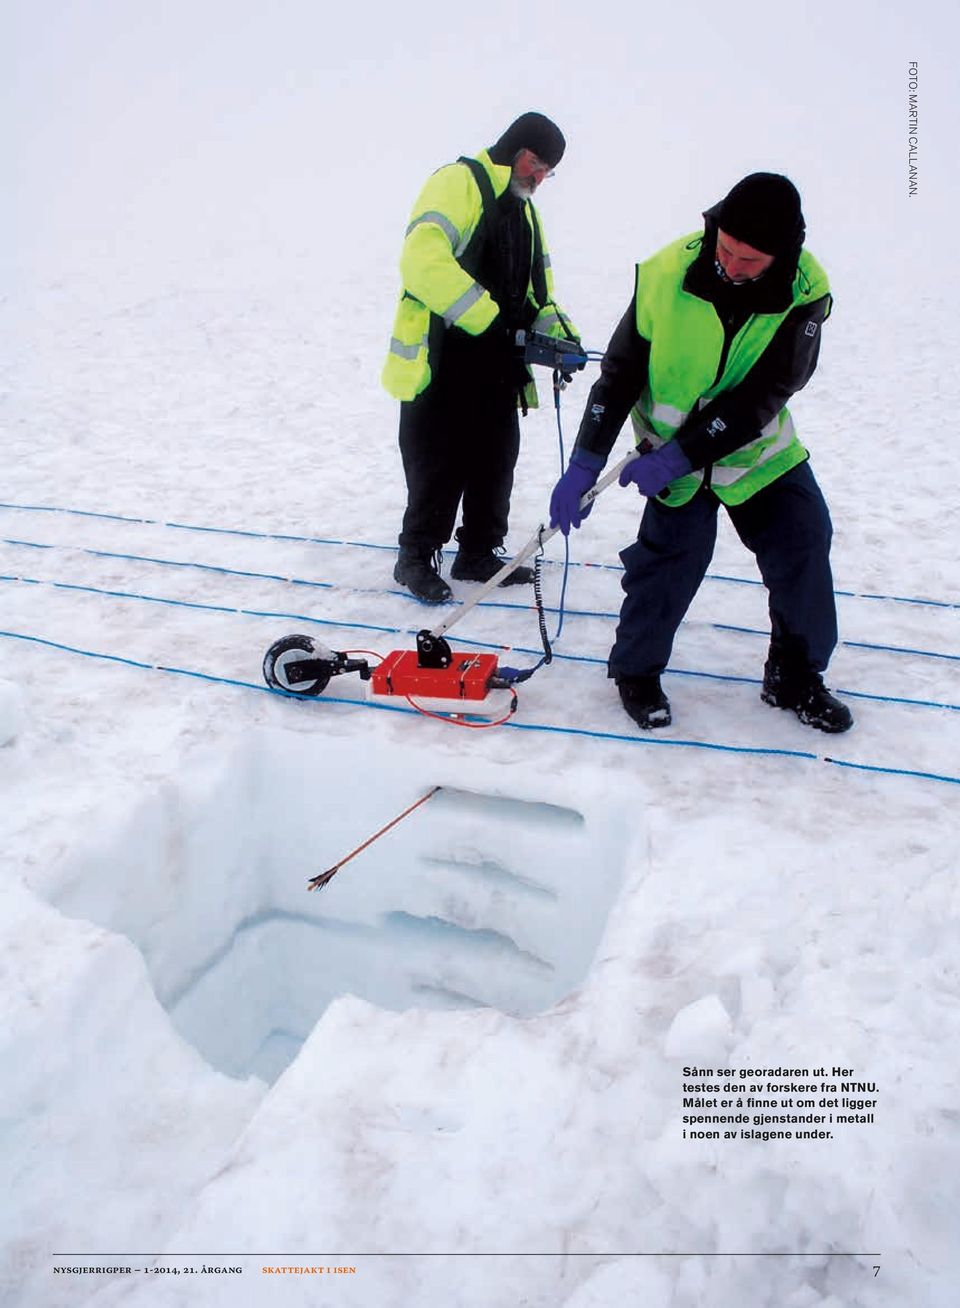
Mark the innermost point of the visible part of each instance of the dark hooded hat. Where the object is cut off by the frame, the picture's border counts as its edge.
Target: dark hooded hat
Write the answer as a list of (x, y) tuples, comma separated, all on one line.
[(531, 131), (763, 210)]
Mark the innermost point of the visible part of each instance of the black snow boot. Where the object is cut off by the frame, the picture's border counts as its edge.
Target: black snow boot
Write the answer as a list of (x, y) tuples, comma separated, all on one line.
[(803, 691), (644, 700), (481, 565), (419, 571)]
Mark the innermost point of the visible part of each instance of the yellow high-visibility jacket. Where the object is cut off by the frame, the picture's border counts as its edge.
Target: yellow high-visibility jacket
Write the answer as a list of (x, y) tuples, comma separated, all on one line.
[(441, 246)]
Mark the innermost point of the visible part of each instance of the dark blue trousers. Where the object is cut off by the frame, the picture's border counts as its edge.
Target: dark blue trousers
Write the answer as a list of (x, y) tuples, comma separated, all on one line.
[(786, 526)]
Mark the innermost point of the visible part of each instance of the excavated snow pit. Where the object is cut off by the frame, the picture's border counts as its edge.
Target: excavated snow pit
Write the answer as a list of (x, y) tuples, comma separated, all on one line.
[(478, 898)]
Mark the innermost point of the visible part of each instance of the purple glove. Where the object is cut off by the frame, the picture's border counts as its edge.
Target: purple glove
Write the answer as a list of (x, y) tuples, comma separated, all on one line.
[(651, 473), (580, 476)]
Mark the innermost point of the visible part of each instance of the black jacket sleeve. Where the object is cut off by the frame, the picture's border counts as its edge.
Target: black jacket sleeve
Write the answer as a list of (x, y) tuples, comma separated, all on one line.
[(735, 418), (623, 375)]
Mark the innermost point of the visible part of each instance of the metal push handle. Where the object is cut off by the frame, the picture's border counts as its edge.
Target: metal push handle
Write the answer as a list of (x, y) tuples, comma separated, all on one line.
[(539, 538)]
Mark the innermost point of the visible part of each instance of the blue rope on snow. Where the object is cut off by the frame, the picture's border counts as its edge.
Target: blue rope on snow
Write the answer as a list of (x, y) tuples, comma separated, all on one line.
[(340, 624), (519, 726), (196, 604), (169, 563), (370, 545), (855, 644), (492, 604)]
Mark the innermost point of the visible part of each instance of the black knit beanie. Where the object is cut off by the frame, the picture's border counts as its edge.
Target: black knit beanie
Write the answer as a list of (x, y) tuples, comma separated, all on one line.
[(531, 131), (763, 210)]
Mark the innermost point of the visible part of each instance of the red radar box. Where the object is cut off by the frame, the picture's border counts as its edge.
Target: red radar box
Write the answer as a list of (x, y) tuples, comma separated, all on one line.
[(466, 678)]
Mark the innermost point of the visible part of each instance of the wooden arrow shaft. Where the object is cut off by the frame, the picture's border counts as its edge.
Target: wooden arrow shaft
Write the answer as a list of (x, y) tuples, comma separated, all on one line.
[(318, 882)]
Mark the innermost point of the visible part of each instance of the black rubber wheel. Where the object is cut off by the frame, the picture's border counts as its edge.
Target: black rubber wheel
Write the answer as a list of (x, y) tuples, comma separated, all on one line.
[(281, 659)]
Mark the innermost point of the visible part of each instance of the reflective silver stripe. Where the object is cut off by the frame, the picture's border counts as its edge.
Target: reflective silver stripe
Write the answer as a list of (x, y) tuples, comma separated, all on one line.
[(460, 306), (773, 426), (546, 319), (546, 261), (404, 351), (439, 220), (727, 474), (668, 414), (643, 431)]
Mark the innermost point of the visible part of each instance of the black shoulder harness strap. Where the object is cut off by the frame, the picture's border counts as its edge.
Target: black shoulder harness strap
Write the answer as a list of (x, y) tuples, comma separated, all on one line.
[(471, 257), (484, 185), (538, 273)]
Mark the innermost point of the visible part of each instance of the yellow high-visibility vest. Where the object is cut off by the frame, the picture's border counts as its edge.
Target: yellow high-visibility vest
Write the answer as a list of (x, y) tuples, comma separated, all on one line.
[(686, 350)]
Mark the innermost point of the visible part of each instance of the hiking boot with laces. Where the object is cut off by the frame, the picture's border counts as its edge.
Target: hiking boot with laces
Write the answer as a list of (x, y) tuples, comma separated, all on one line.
[(645, 702), (481, 565), (419, 571), (804, 693)]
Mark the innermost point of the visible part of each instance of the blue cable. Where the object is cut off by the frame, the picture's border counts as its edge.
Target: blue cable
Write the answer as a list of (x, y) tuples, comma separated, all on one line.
[(566, 539), (340, 624), (514, 676), (753, 751), (403, 594), (371, 545)]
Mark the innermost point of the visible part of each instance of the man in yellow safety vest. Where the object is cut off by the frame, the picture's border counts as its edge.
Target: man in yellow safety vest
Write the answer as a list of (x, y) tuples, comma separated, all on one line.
[(723, 327)]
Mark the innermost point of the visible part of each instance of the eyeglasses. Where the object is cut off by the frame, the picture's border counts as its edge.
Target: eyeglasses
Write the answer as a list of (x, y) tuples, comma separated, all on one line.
[(534, 164)]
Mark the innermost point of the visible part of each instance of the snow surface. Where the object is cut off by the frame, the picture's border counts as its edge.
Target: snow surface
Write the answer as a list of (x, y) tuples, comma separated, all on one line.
[(457, 1068), (11, 711)]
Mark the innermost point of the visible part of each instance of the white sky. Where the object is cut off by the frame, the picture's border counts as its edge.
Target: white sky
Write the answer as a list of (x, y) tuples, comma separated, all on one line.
[(157, 126)]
